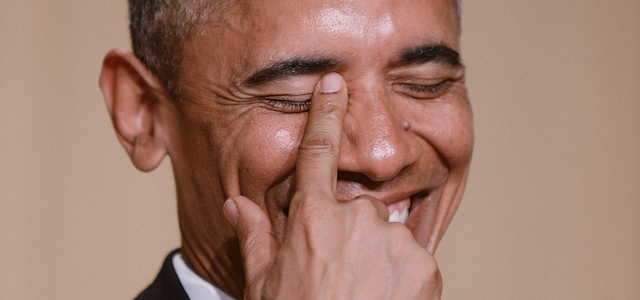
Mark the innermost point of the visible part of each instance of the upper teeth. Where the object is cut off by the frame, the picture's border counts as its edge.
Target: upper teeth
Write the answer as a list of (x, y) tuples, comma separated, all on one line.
[(399, 217)]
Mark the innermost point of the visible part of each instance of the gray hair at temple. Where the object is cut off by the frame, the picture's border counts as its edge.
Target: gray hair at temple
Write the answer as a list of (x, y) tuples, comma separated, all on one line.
[(159, 29)]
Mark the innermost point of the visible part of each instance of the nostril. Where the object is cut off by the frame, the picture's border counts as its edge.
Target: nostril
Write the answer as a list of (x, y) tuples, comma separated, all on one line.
[(377, 142), (379, 155)]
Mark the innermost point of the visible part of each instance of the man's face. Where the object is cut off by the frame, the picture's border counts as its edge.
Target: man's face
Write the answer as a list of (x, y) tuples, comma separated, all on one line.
[(407, 136)]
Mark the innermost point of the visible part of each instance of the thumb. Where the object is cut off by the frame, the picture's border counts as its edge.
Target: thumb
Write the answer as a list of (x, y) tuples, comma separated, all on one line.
[(258, 246)]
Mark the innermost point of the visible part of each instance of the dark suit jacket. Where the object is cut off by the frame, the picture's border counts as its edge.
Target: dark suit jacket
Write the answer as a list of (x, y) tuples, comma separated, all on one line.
[(166, 285)]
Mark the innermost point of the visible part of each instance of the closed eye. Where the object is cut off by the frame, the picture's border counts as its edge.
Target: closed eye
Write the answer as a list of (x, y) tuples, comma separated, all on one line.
[(420, 91), (289, 103), (290, 106)]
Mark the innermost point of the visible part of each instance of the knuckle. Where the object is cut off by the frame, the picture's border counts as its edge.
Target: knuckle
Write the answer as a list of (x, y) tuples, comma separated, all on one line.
[(431, 271), (364, 208), (401, 234), (309, 210), (330, 108), (433, 279), (306, 211), (319, 142), (416, 259), (402, 243), (248, 245)]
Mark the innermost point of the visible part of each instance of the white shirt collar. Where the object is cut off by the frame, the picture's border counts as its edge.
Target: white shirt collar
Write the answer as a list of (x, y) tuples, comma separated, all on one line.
[(196, 287)]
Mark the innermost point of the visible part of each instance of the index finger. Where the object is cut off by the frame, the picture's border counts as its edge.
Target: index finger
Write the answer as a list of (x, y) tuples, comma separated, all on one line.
[(319, 150)]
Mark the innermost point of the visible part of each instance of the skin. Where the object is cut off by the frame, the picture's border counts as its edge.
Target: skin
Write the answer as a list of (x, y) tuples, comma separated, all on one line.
[(309, 185)]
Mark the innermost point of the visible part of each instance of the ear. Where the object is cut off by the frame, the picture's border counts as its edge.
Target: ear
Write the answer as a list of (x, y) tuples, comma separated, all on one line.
[(132, 93)]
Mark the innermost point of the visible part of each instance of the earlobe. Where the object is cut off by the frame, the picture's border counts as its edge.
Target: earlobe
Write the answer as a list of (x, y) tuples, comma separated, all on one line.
[(147, 153), (132, 93)]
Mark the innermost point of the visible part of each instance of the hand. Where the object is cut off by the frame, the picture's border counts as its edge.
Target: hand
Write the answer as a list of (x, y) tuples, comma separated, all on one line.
[(331, 250)]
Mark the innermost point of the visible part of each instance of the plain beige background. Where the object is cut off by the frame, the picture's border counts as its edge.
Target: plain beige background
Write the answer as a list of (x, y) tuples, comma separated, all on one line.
[(552, 209)]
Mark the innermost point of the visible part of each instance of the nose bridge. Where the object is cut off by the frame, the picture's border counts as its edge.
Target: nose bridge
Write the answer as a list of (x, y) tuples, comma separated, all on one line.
[(375, 142)]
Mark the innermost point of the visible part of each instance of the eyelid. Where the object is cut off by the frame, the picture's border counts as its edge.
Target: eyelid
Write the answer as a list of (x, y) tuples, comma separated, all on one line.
[(439, 85), (425, 91), (286, 106), (287, 103), (288, 97)]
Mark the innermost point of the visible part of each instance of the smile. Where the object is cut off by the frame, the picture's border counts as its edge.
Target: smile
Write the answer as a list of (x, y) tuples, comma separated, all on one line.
[(399, 211)]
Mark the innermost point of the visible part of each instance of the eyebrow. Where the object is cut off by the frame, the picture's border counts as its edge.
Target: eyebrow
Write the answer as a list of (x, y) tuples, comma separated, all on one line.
[(430, 53), (288, 68)]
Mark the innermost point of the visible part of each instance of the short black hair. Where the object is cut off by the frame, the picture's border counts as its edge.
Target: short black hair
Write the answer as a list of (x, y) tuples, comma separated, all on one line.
[(159, 30)]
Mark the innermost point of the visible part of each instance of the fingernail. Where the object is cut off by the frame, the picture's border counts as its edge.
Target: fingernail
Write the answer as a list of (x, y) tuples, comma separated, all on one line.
[(231, 212), (330, 83)]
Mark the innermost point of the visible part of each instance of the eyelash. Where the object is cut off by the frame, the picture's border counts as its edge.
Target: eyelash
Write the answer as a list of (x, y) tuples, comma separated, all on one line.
[(428, 91), (291, 106), (425, 91)]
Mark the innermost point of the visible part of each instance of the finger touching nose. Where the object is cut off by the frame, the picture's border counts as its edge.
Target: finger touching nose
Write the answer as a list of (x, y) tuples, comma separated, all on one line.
[(377, 140), (317, 163)]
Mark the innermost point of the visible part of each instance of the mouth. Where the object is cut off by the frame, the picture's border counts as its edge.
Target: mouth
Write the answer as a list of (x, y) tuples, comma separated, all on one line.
[(403, 210), (399, 211), (410, 211)]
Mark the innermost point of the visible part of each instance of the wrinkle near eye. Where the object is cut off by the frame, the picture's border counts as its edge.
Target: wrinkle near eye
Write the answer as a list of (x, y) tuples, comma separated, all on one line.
[(290, 88)]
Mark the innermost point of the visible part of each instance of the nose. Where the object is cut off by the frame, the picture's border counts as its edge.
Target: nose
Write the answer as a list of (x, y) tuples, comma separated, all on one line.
[(376, 141)]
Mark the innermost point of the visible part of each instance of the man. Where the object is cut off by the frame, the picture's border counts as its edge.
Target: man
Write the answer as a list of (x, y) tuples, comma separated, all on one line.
[(297, 130)]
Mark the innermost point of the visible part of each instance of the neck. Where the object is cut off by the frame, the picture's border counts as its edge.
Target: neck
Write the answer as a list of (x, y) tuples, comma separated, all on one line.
[(221, 267)]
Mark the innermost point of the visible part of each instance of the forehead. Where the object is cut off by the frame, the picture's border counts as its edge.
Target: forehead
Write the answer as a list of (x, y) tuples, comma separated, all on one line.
[(257, 32), (367, 20)]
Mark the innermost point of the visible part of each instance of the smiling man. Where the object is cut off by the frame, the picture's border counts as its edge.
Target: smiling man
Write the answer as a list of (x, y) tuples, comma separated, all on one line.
[(320, 148)]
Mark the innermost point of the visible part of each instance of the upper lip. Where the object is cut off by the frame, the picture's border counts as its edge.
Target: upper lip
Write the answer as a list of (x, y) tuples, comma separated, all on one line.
[(389, 198)]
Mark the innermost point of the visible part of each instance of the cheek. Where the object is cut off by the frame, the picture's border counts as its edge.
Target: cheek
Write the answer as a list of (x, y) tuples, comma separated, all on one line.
[(457, 138), (267, 155), (448, 127), (285, 140)]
